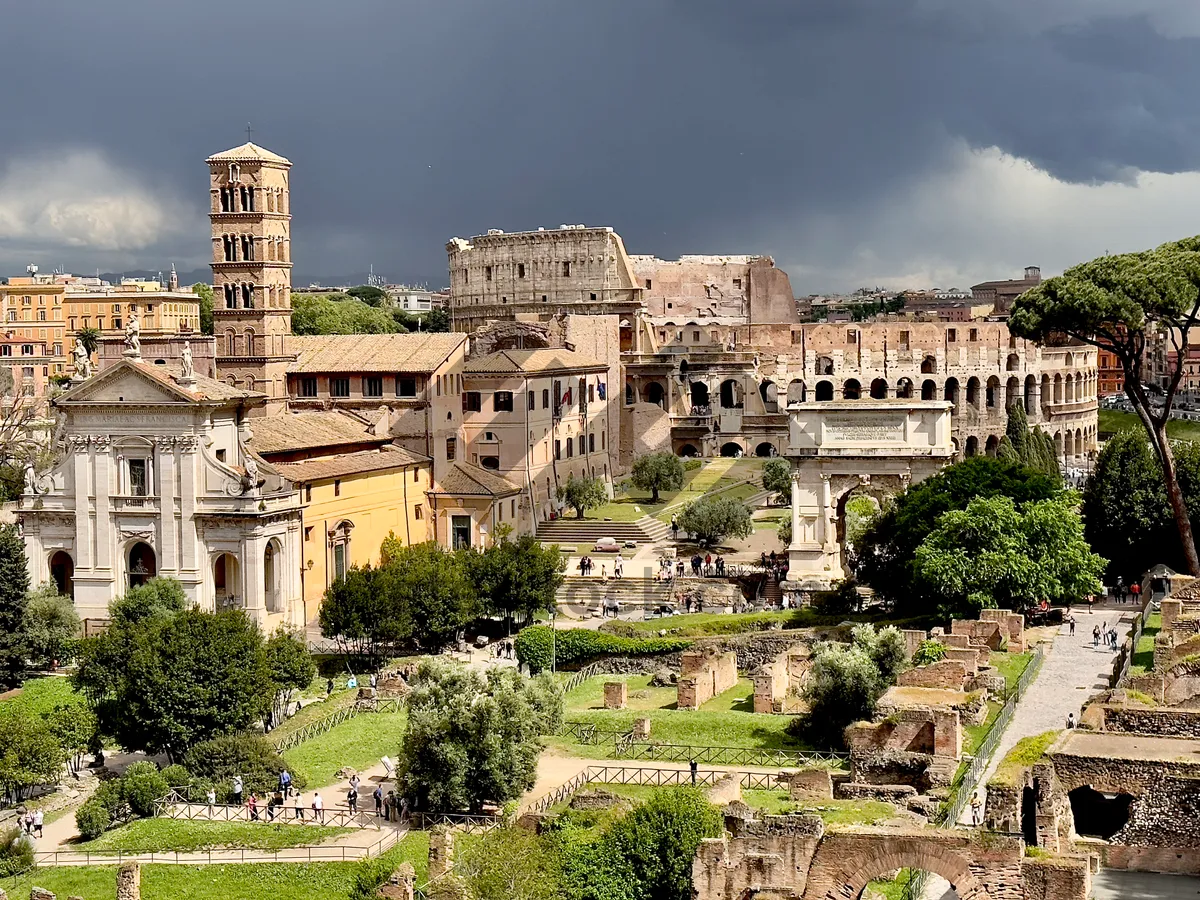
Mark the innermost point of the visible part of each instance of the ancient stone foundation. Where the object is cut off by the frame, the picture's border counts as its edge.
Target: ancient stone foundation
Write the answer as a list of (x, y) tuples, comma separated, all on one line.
[(616, 695), (810, 784), (777, 684), (441, 852), (129, 882), (703, 675), (949, 674)]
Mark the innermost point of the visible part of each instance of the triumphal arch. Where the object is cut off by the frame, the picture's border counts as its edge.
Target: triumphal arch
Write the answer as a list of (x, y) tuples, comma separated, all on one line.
[(876, 446)]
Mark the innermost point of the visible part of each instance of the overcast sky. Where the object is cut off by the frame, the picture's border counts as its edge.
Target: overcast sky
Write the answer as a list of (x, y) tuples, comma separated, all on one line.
[(859, 142)]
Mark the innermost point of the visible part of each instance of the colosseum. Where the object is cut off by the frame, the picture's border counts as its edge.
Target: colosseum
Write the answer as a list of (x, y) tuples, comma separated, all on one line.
[(711, 349)]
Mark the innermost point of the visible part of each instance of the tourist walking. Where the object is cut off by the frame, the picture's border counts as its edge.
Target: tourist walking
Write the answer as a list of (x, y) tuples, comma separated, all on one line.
[(210, 797), (299, 808), (1070, 720), (976, 810), (1096, 636), (285, 783), (674, 528), (403, 809), (237, 790), (352, 799), (39, 819), (1071, 623), (318, 806), (252, 807), (378, 795)]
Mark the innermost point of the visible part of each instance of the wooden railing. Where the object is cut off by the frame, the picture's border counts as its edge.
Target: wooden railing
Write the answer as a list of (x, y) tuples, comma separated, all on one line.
[(320, 726)]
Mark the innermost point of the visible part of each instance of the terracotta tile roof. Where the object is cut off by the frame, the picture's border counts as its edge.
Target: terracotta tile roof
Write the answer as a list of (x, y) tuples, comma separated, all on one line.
[(372, 352), (304, 430), (549, 360), (467, 480), (248, 151), (1189, 591), (205, 388), (389, 457)]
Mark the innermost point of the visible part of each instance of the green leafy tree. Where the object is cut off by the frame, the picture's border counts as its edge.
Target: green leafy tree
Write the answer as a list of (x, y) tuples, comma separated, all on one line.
[(252, 756), (205, 293), (90, 337), (649, 852), (14, 588), (777, 478), (469, 740), (162, 682), (843, 687), (30, 754), (51, 625), (428, 588), (785, 531), (338, 314), (886, 648), (508, 864), (357, 614), (516, 578), (436, 320), (290, 668), (994, 554), (74, 727), (656, 472), (1126, 515), (712, 519), (1117, 303), (368, 294), (860, 510), (884, 554), (582, 494)]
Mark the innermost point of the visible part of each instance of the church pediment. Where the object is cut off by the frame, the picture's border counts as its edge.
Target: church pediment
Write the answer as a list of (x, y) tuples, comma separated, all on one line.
[(128, 382)]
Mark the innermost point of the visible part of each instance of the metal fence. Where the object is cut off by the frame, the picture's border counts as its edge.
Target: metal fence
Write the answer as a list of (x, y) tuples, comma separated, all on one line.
[(467, 822), (1121, 669), (724, 756), (233, 856)]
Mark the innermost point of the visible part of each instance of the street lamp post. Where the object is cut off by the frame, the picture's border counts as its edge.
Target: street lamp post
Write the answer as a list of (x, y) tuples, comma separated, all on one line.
[(553, 638)]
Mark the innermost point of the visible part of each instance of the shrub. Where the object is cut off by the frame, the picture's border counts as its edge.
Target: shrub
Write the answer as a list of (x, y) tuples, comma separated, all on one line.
[(250, 755), (929, 651), (16, 852), (141, 785), (92, 819), (843, 686), (692, 464), (177, 776), (536, 646)]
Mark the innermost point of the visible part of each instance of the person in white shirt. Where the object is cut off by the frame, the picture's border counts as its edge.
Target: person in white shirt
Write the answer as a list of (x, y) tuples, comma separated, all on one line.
[(318, 806)]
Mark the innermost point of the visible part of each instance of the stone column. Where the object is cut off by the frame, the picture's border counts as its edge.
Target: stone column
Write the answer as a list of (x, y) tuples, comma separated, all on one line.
[(129, 882), (795, 508), (826, 503)]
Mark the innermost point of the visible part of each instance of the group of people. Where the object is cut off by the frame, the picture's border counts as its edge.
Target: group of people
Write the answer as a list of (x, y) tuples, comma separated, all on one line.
[(388, 806), (276, 804), (775, 565), (31, 822), (504, 650), (1130, 594), (587, 565), (1107, 633)]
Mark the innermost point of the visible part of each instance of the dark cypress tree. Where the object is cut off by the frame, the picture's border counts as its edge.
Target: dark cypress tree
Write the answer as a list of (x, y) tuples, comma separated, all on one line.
[(14, 586)]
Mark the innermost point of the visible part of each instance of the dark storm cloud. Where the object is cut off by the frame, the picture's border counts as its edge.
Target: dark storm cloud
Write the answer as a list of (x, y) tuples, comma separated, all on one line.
[(690, 126)]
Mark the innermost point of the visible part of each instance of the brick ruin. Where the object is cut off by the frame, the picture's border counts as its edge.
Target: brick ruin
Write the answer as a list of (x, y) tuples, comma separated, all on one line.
[(794, 858), (778, 683), (616, 695), (704, 674)]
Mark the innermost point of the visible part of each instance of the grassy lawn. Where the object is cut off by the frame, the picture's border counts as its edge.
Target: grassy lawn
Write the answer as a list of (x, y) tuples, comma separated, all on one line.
[(42, 695), (1010, 665), (250, 881), (1112, 420), (1143, 653), (973, 735), (894, 888), (702, 624), (723, 722), (358, 743), (775, 803), (314, 712), (716, 475), (153, 835), (1024, 754)]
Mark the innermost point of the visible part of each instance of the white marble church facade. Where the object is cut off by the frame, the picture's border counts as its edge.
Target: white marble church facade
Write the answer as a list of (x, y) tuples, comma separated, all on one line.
[(156, 479)]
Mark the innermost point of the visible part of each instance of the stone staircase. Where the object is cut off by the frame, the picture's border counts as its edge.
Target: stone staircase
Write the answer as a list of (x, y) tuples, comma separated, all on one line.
[(772, 592), (591, 592), (584, 531)]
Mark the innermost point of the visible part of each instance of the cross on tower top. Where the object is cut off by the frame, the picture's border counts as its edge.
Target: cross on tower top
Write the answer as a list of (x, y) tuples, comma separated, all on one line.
[(249, 131)]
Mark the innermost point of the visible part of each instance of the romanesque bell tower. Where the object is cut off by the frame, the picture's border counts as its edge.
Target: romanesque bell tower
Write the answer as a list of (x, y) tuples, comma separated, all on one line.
[(252, 267)]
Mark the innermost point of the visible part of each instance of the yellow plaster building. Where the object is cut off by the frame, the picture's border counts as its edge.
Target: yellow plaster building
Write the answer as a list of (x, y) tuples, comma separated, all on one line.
[(356, 487)]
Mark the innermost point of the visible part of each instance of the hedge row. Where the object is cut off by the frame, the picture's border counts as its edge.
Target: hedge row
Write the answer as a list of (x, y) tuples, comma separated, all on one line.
[(576, 647)]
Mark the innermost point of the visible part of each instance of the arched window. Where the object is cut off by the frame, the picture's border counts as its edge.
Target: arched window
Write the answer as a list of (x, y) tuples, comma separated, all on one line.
[(851, 390), (904, 389), (824, 390), (879, 389), (928, 389), (929, 365)]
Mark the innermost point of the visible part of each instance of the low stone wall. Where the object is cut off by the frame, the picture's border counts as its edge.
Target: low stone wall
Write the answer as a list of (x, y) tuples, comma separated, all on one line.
[(1156, 720), (949, 674), (935, 732), (894, 767), (1168, 860), (705, 674), (616, 694), (1118, 776), (810, 784), (1056, 878)]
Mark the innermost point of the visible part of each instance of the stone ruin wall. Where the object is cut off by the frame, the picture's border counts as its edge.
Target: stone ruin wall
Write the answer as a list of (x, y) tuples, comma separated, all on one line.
[(704, 675), (777, 684)]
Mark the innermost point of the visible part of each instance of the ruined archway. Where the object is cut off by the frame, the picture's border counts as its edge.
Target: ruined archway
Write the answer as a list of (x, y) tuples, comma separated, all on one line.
[(879, 389), (843, 869), (851, 390), (654, 393), (824, 391), (1098, 814), (1181, 684), (732, 448), (699, 395), (928, 389), (765, 449)]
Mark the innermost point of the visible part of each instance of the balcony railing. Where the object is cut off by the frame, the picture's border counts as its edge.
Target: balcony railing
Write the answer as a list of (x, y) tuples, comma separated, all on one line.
[(135, 503)]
